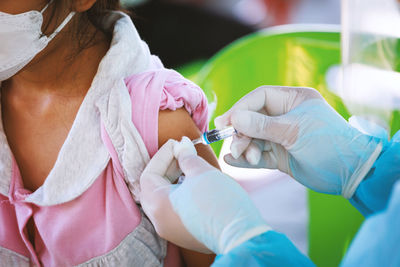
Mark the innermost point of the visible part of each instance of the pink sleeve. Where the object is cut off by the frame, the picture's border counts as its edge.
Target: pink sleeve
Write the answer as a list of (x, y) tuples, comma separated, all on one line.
[(159, 90)]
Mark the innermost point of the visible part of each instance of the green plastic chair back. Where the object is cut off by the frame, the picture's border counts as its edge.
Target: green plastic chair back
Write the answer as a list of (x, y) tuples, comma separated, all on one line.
[(292, 57), (191, 70)]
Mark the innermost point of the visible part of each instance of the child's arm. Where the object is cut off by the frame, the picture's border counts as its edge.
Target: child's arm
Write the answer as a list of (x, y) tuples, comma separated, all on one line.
[(178, 123), (175, 124)]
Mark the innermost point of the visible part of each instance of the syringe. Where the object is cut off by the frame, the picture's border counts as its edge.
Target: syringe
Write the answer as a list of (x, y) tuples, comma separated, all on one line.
[(214, 135)]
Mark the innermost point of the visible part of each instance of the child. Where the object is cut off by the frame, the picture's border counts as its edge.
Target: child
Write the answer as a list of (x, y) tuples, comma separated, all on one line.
[(84, 105)]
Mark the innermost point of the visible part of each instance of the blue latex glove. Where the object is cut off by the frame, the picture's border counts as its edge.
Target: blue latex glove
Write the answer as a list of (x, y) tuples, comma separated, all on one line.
[(212, 207), (294, 130)]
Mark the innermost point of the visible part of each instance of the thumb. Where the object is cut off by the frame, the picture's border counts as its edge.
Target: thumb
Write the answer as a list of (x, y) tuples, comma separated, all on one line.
[(278, 129), (190, 164)]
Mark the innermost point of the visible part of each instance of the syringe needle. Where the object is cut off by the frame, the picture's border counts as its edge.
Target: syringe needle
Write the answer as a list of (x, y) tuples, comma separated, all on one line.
[(197, 141)]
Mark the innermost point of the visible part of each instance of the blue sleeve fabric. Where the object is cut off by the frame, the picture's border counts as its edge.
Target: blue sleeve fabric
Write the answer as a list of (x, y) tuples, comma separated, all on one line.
[(378, 241), (269, 249), (373, 193)]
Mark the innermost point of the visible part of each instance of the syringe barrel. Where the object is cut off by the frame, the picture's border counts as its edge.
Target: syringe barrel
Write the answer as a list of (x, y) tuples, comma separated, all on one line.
[(216, 135)]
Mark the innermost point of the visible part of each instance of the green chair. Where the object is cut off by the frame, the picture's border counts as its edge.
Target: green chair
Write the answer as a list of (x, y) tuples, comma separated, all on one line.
[(291, 56), (191, 70)]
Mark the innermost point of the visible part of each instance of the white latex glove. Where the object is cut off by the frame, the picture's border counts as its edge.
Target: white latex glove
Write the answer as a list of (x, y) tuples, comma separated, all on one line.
[(294, 130), (208, 204), (156, 185)]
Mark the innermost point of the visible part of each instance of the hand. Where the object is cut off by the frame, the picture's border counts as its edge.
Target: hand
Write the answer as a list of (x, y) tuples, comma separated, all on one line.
[(208, 207), (156, 186), (294, 130)]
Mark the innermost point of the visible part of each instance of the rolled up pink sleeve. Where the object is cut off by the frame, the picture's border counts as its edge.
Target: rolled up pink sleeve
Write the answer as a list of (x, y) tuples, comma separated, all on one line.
[(163, 89)]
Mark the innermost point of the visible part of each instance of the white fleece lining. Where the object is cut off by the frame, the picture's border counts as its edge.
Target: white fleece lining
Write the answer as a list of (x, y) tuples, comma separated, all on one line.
[(5, 161), (83, 156)]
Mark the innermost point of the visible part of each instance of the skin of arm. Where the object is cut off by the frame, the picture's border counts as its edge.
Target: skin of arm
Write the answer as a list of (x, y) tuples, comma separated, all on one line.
[(175, 125)]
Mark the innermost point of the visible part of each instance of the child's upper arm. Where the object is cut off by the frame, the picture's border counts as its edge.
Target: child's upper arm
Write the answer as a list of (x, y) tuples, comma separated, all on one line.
[(175, 124), (178, 123)]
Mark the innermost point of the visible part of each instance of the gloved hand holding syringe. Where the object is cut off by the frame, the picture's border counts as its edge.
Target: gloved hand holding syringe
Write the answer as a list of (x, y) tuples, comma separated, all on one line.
[(214, 135)]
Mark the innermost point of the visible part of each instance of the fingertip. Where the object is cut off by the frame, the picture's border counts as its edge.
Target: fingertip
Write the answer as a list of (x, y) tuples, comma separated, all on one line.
[(184, 148), (239, 145), (253, 157), (167, 147), (236, 152), (185, 140), (240, 121), (222, 121), (170, 142)]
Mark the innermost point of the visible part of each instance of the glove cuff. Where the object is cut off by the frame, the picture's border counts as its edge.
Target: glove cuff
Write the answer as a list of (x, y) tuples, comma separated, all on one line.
[(358, 176), (247, 236)]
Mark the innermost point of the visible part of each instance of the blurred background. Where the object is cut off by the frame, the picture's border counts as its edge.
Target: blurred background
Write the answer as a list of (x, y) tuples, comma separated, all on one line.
[(197, 29)]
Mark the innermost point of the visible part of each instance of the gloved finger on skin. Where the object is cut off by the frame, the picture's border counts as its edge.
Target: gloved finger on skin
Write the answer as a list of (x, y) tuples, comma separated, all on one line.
[(184, 148), (189, 162), (239, 144), (254, 151)]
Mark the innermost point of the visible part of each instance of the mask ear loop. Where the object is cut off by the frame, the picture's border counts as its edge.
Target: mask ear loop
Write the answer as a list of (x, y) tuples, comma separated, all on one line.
[(62, 25), (44, 9)]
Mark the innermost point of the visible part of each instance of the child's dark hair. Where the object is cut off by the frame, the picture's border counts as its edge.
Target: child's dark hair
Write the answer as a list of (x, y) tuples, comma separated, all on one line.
[(92, 16)]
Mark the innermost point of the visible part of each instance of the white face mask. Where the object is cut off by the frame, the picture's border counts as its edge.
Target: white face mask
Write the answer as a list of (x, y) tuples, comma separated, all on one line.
[(21, 39)]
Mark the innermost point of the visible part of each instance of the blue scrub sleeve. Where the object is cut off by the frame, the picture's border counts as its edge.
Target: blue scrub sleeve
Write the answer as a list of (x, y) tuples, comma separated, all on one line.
[(269, 249), (378, 241), (373, 193)]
